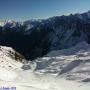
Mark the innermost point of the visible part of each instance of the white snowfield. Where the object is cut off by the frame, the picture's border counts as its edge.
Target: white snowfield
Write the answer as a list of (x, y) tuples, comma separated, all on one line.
[(67, 69)]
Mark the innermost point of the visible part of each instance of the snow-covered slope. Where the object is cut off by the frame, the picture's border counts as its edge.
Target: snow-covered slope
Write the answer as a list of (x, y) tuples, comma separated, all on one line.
[(8, 65), (73, 63), (58, 70)]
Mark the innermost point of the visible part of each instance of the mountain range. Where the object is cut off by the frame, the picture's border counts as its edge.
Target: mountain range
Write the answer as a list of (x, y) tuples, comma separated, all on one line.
[(35, 38), (50, 54)]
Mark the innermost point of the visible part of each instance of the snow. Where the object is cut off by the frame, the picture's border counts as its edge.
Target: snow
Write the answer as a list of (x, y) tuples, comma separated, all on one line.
[(2, 23), (8, 66), (71, 64), (33, 82), (7, 75), (67, 69)]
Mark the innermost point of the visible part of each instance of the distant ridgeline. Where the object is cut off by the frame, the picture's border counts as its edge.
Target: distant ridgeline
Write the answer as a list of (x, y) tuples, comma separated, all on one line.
[(36, 38)]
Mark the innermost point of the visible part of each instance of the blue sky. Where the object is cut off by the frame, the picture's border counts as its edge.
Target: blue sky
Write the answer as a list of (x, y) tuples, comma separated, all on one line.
[(31, 9)]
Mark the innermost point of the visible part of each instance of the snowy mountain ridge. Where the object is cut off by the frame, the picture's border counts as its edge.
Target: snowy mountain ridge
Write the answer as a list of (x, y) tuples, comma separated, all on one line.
[(56, 33), (64, 43)]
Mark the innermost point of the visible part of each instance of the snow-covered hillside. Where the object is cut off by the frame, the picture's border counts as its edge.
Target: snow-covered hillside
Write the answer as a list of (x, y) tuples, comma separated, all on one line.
[(8, 64), (72, 63), (67, 69)]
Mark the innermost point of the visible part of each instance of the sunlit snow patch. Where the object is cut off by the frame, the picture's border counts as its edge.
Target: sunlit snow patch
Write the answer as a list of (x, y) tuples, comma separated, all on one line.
[(6, 75)]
